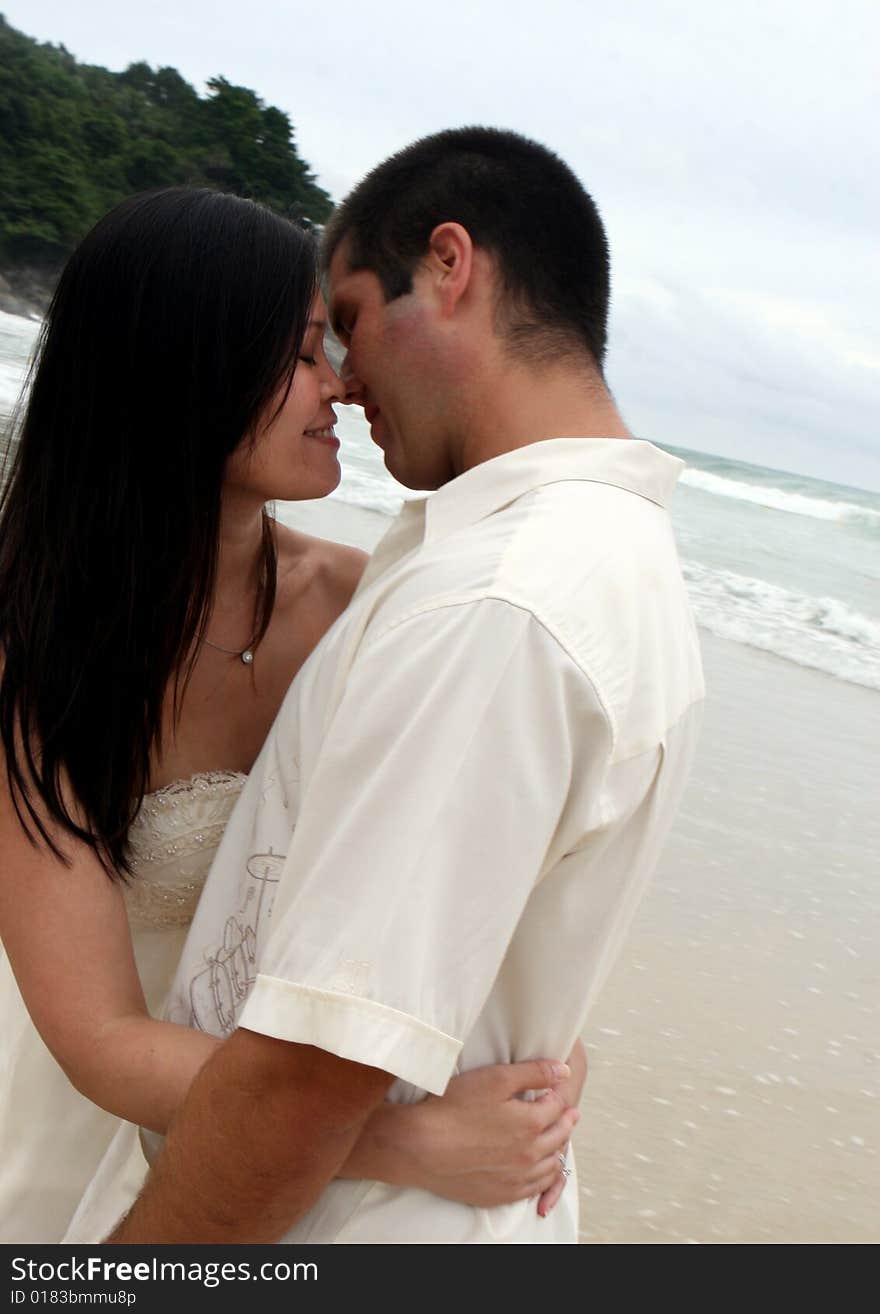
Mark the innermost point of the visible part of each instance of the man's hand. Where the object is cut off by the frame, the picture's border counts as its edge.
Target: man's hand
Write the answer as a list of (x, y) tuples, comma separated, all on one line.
[(265, 1126)]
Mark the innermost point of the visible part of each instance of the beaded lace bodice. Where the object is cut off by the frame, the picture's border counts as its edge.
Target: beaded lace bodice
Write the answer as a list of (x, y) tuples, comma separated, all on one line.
[(173, 841)]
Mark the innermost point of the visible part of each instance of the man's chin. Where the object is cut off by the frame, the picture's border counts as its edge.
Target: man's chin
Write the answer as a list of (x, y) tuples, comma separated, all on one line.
[(396, 469), (377, 430), (408, 479)]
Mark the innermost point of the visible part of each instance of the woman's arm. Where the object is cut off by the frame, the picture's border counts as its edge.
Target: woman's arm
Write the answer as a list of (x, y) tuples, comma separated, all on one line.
[(66, 933)]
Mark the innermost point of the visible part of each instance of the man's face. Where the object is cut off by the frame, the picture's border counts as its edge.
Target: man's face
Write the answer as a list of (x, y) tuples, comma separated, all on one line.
[(395, 367)]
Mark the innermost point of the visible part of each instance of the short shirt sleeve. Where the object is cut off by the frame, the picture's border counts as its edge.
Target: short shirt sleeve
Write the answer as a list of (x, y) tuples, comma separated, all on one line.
[(427, 822)]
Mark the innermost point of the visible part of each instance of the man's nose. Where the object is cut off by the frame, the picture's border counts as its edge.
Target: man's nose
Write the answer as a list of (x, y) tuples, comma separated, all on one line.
[(353, 389)]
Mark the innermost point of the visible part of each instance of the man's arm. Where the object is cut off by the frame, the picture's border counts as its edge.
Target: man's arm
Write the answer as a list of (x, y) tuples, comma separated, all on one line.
[(265, 1126)]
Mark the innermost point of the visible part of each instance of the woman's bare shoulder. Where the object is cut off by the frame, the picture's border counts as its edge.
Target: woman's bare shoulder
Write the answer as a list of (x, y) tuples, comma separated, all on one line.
[(305, 561)]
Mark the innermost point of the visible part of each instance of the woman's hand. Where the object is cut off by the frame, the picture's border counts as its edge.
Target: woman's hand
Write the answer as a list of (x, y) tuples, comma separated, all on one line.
[(480, 1144), (571, 1091), (485, 1145)]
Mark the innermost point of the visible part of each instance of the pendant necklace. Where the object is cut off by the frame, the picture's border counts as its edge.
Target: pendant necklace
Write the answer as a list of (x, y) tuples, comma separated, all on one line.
[(246, 654)]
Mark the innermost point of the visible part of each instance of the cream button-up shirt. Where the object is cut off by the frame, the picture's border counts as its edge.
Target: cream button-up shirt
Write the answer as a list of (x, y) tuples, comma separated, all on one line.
[(442, 843)]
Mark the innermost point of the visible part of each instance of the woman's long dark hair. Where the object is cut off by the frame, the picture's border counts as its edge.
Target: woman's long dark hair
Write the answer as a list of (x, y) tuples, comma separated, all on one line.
[(173, 326)]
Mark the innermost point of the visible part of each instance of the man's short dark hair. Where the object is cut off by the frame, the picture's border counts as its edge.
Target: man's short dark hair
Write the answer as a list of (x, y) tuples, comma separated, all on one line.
[(519, 202)]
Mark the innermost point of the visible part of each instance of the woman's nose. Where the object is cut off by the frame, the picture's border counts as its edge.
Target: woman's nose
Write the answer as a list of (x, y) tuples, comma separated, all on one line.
[(332, 387)]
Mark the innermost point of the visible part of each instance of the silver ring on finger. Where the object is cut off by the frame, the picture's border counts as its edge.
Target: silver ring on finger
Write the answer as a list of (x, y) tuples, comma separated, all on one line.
[(566, 1171)]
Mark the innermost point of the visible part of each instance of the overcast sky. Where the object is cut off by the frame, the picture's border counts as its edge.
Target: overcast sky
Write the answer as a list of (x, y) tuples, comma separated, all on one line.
[(730, 147)]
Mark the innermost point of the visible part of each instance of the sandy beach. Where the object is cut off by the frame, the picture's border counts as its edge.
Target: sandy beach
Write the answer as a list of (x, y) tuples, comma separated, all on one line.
[(735, 1052), (733, 1093)]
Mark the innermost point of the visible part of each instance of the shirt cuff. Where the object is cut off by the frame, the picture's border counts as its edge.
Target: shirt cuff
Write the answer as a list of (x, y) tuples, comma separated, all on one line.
[(357, 1029)]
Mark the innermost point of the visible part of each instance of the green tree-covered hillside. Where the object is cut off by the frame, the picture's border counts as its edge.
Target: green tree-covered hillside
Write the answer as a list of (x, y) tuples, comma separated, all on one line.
[(75, 139)]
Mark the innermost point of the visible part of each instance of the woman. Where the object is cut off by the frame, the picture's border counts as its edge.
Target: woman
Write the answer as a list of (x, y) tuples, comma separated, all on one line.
[(152, 617)]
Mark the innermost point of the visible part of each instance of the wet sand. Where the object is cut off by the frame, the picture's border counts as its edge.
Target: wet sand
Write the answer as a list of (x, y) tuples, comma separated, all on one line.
[(734, 1091)]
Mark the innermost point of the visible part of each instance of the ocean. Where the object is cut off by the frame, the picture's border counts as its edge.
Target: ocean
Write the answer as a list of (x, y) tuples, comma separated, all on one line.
[(778, 561)]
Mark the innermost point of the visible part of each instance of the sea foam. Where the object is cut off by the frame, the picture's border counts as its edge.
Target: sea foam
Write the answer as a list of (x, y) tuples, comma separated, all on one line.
[(779, 499), (822, 633)]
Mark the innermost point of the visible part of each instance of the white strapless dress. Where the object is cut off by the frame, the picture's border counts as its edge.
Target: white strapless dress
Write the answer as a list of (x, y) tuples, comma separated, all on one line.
[(52, 1140)]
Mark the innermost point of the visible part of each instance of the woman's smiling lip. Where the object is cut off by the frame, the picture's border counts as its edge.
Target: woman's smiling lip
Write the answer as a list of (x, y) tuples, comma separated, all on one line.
[(323, 435)]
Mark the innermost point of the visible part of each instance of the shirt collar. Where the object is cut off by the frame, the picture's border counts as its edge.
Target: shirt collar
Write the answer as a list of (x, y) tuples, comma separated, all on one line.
[(628, 463)]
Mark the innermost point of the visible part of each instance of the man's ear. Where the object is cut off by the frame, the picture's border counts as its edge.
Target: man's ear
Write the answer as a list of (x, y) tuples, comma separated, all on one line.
[(450, 261)]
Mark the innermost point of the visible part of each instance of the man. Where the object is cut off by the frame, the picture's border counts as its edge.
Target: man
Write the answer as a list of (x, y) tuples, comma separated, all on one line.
[(469, 782)]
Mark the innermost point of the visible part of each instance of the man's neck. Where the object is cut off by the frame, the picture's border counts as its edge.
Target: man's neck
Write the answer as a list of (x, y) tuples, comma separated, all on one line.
[(558, 401)]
